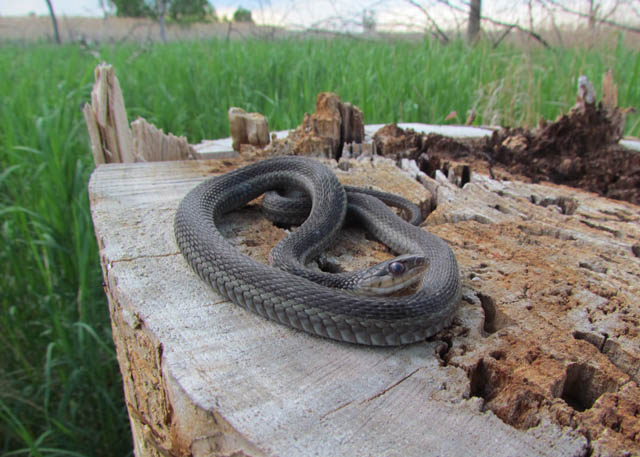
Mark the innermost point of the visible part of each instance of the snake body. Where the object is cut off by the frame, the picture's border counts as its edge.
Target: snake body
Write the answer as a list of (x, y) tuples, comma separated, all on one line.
[(284, 296)]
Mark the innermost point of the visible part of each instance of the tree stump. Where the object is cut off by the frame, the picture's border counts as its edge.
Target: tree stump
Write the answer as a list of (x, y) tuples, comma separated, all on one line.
[(543, 353)]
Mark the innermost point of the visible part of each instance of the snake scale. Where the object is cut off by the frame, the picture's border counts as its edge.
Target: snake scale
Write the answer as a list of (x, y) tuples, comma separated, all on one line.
[(289, 299)]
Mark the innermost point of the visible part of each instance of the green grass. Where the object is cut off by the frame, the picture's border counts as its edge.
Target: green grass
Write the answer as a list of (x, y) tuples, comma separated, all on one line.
[(60, 391), (60, 388)]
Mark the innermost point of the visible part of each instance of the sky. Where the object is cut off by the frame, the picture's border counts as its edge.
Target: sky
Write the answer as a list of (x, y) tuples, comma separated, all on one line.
[(292, 13), (68, 7), (326, 14), (92, 7)]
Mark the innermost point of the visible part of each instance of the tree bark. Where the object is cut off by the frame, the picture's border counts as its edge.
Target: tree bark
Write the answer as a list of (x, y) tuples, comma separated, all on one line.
[(162, 10), (497, 22), (474, 20), (54, 21), (592, 15)]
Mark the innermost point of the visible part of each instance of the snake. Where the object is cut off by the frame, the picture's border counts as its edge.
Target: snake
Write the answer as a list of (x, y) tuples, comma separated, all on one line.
[(289, 294)]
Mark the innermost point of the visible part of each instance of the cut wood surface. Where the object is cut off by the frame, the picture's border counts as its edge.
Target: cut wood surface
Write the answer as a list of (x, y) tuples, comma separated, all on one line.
[(524, 370)]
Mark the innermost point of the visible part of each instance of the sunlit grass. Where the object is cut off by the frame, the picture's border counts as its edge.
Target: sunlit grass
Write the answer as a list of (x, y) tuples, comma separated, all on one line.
[(191, 85), (60, 388)]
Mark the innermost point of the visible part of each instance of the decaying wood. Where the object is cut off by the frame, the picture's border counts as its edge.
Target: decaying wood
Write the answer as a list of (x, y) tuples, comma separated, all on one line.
[(579, 148), (325, 132), (544, 351), (616, 114), (152, 144), (425, 150), (248, 128), (609, 91), (106, 118)]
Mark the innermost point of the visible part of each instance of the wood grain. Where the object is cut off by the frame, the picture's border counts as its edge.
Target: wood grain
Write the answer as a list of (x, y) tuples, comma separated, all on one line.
[(205, 377)]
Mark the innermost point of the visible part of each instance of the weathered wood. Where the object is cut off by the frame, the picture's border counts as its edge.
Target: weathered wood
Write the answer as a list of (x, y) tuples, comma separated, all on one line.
[(152, 144), (222, 148), (524, 371), (247, 128), (325, 132), (113, 140), (106, 118)]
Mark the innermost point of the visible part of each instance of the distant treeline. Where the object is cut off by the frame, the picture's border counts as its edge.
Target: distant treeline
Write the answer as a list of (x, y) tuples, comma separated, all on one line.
[(178, 10)]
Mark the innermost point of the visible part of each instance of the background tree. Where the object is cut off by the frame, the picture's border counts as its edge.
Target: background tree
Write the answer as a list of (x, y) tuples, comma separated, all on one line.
[(600, 12), (473, 27), (132, 8), (177, 9), (190, 10), (242, 15), (467, 7), (158, 10), (369, 20), (160, 13)]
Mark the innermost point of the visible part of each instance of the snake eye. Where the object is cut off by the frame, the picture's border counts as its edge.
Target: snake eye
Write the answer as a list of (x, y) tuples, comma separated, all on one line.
[(396, 268)]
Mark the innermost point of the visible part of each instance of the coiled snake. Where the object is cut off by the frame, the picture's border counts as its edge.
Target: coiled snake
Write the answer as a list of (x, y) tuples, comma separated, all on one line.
[(297, 301)]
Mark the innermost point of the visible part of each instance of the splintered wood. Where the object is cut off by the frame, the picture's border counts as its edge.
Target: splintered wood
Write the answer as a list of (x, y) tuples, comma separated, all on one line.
[(113, 140), (106, 118), (152, 144), (325, 132)]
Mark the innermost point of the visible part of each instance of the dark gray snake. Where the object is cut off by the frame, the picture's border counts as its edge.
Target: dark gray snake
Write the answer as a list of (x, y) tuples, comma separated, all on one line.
[(299, 302)]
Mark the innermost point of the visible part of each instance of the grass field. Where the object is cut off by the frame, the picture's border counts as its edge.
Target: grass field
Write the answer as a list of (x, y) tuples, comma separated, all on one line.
[(60, 388)]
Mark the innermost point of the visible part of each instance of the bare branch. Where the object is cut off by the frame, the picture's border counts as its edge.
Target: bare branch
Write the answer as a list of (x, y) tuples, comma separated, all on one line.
[(552, 18), (452, 6), (612, 11), (502, 37), (439, 32), (533, 34), (616, 24)]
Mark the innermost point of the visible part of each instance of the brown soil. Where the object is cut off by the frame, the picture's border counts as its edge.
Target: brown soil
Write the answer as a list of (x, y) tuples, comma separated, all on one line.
[(579, 149)]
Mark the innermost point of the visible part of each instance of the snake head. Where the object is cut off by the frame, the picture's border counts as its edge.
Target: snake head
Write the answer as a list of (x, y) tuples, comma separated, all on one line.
[(391, 275)]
